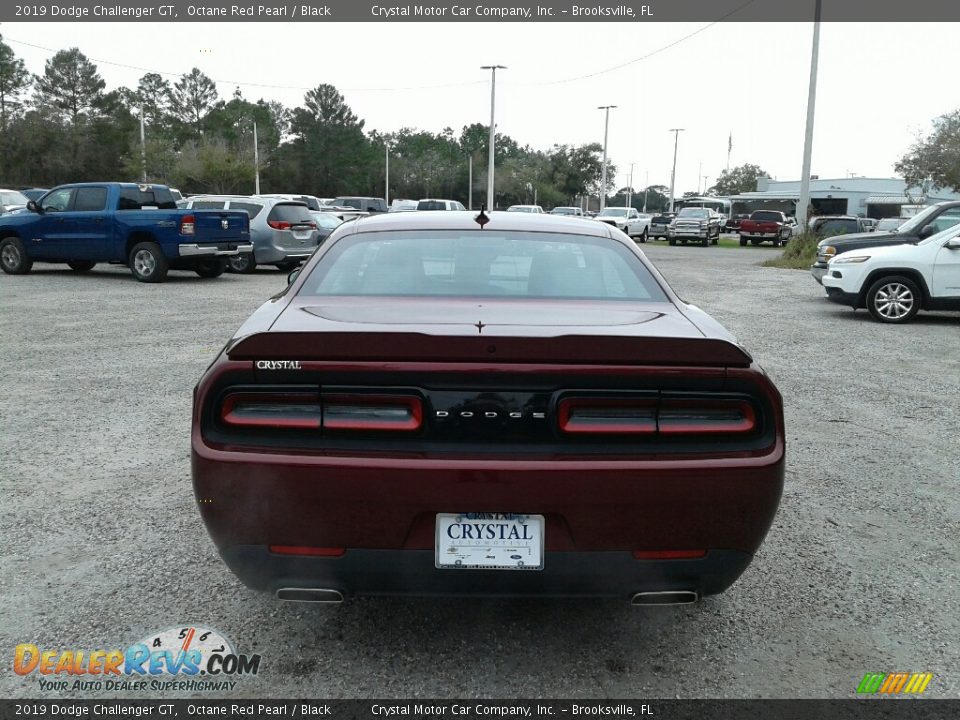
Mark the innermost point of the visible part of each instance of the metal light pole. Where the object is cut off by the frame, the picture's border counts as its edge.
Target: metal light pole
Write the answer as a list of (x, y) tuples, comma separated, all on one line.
[(493, 97), (646, 189), (143, 149), (673, 173), (630, 187), (603, 171), (386, 184), (804, 201), (470, 183), (256, 160)]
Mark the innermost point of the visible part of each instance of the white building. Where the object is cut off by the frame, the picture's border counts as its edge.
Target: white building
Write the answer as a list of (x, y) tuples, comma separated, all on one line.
[(866, 197)]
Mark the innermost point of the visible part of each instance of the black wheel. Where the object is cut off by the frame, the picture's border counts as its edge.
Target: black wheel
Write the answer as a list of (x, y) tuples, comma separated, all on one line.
[(288, 266), (706, 241), (210, 268), (13, 258), (643, 236), (894, 299), (244, 263), (82, 265), (148, 263), (743, 241), (673, 241)]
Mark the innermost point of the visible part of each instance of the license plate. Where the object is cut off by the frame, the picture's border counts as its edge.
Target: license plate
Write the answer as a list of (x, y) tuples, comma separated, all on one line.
[(302, 234), (501, 541)]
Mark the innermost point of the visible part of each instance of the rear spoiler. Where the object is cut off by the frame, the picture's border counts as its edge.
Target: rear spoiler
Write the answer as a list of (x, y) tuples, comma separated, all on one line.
[(420, 347)]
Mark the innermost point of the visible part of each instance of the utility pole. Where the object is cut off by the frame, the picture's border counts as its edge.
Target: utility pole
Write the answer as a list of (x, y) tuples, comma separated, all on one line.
[(143, 149), (630, 187), (386, 184), (646, 189), (673, 173), (256, 161), (804, 201), (493, 98), (603, 172), (470, 182)]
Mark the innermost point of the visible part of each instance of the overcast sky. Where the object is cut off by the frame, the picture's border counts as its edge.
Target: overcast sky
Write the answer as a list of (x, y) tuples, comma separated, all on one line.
[(879, 85)]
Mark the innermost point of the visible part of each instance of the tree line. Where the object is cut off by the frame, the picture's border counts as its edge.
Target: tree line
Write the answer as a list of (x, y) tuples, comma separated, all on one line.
[(64, 125)]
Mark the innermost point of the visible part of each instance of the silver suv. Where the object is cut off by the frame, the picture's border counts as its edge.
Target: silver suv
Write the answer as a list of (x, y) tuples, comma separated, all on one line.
[(283, 232)]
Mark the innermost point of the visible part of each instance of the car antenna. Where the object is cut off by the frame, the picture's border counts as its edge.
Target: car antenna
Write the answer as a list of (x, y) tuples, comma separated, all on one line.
[(482, 219)]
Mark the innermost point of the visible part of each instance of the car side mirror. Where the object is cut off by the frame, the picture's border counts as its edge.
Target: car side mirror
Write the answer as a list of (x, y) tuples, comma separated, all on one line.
[(953, 243), (926, 231), (33, 207), (293, 276)]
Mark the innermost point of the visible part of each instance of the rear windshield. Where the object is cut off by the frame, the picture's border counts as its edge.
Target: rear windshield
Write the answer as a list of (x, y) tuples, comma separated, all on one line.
[(208, 204), (147, 196), (510, 265), (12, 197), (293, 213), (837, 227), (766, 216), (431, 205), (694, 213)]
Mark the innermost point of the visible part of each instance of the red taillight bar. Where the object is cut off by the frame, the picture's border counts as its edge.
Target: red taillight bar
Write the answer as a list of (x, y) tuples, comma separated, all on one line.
[(279, 224), (291, 411), (372, 412), (607, 415), (188, 225), (314, 411), (649, 416)]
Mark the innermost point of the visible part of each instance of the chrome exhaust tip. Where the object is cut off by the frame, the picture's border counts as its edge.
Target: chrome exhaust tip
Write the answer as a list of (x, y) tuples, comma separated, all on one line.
[(316, 595), (666, 597)]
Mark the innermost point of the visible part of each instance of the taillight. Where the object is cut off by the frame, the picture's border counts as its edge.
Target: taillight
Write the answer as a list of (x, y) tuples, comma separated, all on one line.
[(188, 224), (279, 224), (607, 415), (649, 416), (313, 411), (372, 412), (291, 411), (696, 416)]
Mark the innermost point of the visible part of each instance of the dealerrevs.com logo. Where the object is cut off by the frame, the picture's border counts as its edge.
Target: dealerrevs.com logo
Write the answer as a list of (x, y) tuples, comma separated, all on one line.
[(187, 658)]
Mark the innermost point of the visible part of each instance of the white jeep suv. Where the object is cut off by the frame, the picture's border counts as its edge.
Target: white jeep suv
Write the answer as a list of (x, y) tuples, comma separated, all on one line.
[(894, 282)]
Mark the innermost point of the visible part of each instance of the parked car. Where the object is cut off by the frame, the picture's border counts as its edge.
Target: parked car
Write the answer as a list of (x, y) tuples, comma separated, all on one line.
[(177, 195), (869, 224), (403, 205), (326, 223), (312, 202), (12, 200), (35, 193), (693, 223), (568, 210), (86, 223), (889, 224), (367, 204), (660, 225), (283, 232), (928, 222), (627, 220), (763, 225), (732, 224), (599, 437), (526, 208), (830, 225), (433, 204), (895, 282)]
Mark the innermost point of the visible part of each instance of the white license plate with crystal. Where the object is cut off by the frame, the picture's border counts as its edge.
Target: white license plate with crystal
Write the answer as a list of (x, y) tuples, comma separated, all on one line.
[(496, 541)]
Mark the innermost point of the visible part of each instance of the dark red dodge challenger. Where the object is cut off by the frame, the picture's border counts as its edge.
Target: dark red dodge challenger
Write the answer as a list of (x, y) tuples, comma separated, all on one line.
[(491, 404)]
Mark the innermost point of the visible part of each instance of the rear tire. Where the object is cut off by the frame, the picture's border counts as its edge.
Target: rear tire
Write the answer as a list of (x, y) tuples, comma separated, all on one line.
[(211, 268), (148, 263), (672, 241), (706, 241), (82, 265), (894, 299), (13, 257), (244, 263), (743, 241)]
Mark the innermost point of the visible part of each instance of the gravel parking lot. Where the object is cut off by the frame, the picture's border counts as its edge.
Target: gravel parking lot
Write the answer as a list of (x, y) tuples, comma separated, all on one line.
[(858, 573)]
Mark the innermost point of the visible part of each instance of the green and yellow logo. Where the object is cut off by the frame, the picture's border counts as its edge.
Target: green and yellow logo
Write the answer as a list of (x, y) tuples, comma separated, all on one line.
[(894, 683)]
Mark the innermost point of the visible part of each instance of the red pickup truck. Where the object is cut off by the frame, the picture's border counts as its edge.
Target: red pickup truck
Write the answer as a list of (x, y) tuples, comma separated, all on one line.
[(766, 225)]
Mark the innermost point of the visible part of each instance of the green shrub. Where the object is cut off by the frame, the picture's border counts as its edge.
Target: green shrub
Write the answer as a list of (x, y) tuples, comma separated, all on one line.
[(798, 254)]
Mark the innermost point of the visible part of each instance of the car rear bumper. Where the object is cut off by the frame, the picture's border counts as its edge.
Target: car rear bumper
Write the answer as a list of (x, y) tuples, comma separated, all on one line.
[(413, 572), (382, 511), (218, 250)]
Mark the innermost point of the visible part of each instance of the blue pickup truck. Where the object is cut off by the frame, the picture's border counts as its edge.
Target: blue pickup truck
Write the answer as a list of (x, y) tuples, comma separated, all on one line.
[(140, 226)]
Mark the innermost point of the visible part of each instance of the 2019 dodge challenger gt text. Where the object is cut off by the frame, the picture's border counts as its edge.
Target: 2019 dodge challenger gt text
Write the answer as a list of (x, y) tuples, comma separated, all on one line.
[(498, 404)]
